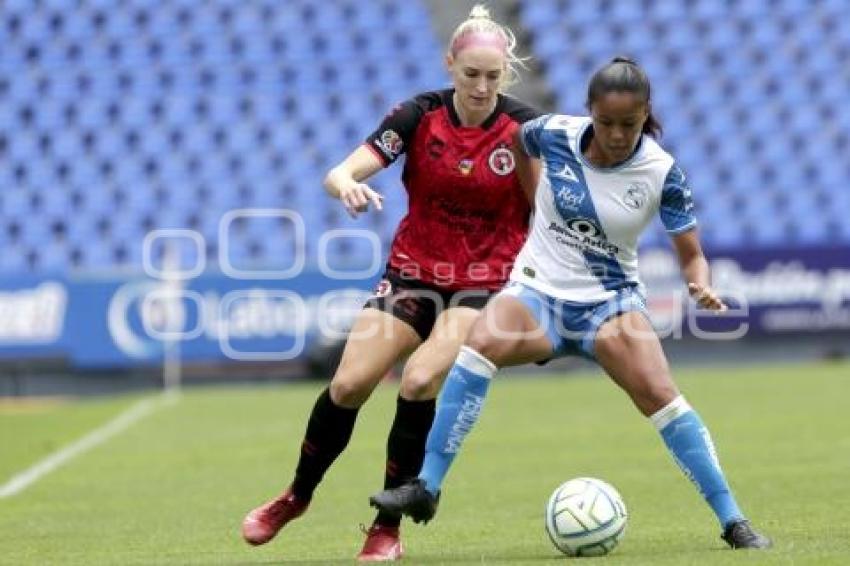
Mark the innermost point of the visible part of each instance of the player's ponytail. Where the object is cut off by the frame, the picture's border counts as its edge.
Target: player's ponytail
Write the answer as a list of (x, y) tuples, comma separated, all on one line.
[(623, 74), (480, 28)]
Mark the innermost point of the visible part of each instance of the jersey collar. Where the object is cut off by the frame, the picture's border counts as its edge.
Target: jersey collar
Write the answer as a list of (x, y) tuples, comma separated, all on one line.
[(455, 119), (586, 130)]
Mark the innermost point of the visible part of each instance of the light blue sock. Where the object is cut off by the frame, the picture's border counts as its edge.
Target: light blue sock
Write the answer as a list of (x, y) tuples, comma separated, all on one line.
[(690, 443), (460, 403)]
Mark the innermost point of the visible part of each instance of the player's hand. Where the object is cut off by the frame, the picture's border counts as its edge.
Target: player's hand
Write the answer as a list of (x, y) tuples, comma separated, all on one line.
[(356, 197), (706, 298)]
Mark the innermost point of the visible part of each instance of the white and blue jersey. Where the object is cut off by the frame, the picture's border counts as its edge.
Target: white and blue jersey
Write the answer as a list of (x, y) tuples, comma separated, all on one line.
[(583, 243)]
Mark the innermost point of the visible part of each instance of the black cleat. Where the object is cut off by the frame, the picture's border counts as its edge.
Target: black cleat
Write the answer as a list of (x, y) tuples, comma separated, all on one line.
[(740, 534), (411, 499)]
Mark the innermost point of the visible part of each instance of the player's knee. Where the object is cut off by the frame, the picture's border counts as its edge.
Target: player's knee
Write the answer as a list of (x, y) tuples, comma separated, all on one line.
[(348, 393), (654, 394), (494, 349), (419, 383), (480, 335)]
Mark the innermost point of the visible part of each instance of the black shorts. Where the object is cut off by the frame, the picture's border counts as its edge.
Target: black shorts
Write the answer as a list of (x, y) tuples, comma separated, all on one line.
[(419, 304)]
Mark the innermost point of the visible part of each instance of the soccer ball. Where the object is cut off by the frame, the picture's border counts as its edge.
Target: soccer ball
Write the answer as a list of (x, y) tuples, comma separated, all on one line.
[(585, 517)]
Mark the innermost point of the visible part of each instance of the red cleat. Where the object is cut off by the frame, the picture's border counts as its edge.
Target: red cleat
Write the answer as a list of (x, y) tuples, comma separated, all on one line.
[(382, 545), (263, 523)]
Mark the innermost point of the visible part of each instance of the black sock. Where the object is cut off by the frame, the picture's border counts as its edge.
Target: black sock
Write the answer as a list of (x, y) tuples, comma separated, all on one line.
[(328, 432), (406, 447)]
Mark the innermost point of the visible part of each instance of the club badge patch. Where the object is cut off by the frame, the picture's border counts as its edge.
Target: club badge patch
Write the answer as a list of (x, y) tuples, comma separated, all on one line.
[(391, 143), (636, 195), (501, 161)]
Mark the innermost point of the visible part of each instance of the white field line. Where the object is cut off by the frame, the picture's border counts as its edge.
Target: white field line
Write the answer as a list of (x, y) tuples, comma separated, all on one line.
[(98, 436)]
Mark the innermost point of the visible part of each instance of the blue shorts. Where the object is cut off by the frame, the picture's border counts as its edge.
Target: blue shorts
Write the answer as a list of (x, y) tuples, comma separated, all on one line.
[(572, 327)]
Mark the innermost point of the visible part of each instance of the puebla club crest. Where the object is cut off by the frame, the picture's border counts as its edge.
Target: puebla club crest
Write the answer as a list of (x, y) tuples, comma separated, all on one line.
[(501, 161), (636, 195)]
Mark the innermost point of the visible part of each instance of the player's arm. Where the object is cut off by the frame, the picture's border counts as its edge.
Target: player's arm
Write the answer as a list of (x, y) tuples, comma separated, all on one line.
[(527, 149), (381, 148), (527, 168), (695, 270), (345, 181)]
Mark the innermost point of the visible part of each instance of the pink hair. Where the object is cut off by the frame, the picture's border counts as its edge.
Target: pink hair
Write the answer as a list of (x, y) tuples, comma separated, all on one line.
[(479, 39)]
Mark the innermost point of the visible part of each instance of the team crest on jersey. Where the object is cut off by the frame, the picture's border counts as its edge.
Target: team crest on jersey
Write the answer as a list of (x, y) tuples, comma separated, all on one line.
[(465, 166), (391, 142), (501, 161), (636, 195)]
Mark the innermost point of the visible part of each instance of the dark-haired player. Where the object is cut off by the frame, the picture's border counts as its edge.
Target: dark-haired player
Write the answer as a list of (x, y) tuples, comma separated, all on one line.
[(575, 289)]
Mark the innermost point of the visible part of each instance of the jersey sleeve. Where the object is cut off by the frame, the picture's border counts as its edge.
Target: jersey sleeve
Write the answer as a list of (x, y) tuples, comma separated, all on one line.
[(518, 110), (394, 135), (677, 205), (531, 134)]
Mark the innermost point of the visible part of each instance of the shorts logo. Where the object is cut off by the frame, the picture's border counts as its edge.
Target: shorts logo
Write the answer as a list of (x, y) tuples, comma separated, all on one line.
[(384, 288), (636, 195), (501, 161), (465, 166), (391, 143)]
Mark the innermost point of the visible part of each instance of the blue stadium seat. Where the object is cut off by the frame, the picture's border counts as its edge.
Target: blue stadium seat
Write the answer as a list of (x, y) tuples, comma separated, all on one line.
[(16, 204), (538, 15), (96, 257), (583, 13), (14, 260), (667, 10), (709, 9), (55, 257)]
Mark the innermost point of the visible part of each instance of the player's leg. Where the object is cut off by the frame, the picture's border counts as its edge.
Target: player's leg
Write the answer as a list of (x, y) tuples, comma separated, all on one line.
[(422, 377), (627, 347), (505, 333), (420, 382), (376, 341)]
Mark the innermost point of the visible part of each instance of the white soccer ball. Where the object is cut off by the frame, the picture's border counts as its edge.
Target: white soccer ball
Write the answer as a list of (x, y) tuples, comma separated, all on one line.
[(585, 517)]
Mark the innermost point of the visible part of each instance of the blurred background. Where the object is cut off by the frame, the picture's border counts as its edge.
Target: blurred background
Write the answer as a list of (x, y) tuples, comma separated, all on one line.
[(161, 165)]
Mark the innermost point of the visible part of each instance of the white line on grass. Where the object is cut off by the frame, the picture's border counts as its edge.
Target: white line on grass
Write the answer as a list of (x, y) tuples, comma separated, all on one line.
[(100, 435)]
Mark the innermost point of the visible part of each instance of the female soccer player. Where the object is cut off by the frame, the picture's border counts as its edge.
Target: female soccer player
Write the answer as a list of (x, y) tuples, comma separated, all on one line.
[(468, 217), (575, 290)]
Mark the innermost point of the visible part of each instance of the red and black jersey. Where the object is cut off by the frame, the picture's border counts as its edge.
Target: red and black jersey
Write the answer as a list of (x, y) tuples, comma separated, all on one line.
[(467, 214)]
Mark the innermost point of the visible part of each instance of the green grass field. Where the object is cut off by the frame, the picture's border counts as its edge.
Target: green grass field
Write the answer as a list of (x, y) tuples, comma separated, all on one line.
[(173, 488)]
